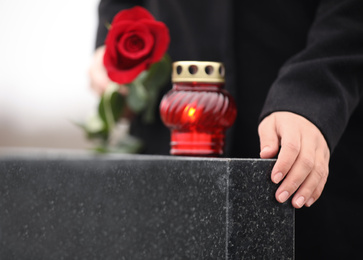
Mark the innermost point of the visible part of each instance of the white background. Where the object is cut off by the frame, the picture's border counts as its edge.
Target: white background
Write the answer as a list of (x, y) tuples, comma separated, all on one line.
[(45, 50)]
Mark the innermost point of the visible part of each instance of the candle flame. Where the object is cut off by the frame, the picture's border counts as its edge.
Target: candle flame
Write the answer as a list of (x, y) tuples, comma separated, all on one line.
[(190, 114), (191, 111)]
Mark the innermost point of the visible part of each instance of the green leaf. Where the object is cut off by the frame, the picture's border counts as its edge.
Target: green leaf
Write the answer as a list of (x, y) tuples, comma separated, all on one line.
[(111, 106), (138, 97), (158, 76), (107, 25), (145, 89), (140, 79), (143, 98), (94, 124), (95, 128)]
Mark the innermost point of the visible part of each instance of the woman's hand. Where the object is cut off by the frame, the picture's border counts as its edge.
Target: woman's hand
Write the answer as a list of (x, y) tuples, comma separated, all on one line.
[(303, 161), (99, 79)]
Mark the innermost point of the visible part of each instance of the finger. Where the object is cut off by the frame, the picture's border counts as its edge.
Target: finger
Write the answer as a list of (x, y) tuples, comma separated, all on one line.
[(99, 79), (312, 187), (322, 170), (290, 149), (298, 173), (269, 140), (317, 193)]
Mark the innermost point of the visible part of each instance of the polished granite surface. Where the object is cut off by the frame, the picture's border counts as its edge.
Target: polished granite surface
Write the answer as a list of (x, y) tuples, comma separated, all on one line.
[(85, 206)]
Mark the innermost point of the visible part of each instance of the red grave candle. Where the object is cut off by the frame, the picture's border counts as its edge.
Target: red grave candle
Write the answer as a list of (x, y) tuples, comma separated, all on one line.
[(198, 110)]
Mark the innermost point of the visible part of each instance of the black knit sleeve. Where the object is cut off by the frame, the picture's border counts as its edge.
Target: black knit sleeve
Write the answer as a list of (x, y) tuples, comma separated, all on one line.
[(324, 82), (107, 9)]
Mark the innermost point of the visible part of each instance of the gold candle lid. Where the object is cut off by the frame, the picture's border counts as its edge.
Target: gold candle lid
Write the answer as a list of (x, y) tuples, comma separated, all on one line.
[(198, 71)]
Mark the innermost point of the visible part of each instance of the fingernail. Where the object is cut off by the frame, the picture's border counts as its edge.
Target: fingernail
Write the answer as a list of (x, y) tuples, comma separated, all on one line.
[(265, 149), (278, 177), (283, 196), (310, 202), (300, 201)]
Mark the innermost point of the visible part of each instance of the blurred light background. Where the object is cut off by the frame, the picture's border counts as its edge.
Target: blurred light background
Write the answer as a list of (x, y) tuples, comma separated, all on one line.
[(46, 47)]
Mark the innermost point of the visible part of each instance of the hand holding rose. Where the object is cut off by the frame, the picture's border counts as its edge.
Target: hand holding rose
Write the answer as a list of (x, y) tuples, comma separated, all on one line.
[(135, 41), (128, 72), (99, 79)]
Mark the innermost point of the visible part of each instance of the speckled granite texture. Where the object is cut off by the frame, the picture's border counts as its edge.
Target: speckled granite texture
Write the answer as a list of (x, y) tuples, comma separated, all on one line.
[(141, 207)]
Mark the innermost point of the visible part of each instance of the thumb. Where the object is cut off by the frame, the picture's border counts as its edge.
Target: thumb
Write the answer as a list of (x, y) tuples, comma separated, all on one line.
[(269, 139)]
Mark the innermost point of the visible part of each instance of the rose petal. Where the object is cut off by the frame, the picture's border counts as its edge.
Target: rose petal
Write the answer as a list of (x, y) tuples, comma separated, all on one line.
[(141, 34), (161, 37), (133, 14), (126, 75), (134, 42), (113, 36), (135, 45)]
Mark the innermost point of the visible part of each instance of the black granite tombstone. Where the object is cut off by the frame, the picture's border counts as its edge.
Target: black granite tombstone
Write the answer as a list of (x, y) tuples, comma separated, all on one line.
[(141, 207)]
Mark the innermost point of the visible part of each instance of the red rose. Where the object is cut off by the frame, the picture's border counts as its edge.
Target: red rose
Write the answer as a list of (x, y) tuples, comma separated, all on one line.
[(134, 42)]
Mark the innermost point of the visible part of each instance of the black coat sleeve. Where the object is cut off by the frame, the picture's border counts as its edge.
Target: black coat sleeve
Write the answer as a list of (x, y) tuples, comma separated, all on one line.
[(324, 82), (107, 9)]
